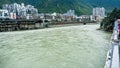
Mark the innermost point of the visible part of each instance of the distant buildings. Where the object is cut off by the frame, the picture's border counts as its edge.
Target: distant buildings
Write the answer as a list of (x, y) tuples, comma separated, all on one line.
[(70, 13), (69, 16), (84, 18), (57, 17), (99, 13), (20, 10)]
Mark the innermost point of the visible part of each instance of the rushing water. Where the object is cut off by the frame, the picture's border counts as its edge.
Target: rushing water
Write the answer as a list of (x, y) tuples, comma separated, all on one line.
[(63, 47)]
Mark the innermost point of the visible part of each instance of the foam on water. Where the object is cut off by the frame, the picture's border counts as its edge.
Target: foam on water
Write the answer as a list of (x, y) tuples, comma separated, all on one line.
[(63, 47)]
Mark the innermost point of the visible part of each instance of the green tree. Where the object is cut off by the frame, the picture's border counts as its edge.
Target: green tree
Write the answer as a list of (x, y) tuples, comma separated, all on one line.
[(108, 22)]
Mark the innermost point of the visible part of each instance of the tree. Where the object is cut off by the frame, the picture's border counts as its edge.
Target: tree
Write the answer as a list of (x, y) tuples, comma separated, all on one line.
[(108, 22)]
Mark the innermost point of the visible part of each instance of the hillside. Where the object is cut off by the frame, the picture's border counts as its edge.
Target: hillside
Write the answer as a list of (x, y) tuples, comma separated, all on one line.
[(80, 6), (55, 5), (108, 4)]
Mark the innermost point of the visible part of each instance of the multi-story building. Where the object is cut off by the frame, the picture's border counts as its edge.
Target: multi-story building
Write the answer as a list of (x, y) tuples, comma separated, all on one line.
[(20, 10), (70, 15), (99, 13)]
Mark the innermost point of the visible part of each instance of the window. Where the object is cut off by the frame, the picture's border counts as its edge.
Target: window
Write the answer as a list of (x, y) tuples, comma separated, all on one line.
[(5, 14)]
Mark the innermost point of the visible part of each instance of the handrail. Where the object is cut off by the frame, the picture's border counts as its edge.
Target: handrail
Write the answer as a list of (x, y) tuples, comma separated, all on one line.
[(115, 48), (113, 60)]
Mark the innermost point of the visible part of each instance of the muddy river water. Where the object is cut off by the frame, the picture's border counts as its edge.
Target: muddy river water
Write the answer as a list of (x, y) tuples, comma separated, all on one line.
[(79, 46)]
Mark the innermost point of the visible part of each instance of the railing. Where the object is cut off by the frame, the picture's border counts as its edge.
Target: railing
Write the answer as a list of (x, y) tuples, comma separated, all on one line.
[(113, 59)]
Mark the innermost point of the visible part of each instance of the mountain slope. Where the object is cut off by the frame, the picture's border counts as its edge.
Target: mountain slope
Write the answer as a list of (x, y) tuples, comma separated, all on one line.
[(80, 6), (55, 5), (108, 4)]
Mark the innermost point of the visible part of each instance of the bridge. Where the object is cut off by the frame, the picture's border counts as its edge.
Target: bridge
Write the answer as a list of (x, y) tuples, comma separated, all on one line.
[(113, 55)]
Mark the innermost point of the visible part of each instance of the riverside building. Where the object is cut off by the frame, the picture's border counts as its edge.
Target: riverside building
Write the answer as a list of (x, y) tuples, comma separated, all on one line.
[(20, 10), (99, 13)]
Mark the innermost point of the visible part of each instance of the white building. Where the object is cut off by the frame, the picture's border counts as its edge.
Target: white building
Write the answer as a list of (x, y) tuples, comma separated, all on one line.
[(99, 13), (20, 10), (69, 16), (84, 18), (70, 13), (12, 15), (54, 15), (4, 13)]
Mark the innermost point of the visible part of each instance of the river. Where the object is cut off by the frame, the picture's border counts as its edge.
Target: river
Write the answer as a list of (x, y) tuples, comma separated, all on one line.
[(79, 46)]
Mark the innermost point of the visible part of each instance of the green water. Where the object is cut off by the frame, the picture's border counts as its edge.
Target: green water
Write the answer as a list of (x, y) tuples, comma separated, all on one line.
[(63, 47)]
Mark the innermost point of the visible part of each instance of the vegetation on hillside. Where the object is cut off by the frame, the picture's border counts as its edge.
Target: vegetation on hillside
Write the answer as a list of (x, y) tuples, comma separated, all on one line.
[(108, 22), (80, 6), (110, 4), (49, 6)]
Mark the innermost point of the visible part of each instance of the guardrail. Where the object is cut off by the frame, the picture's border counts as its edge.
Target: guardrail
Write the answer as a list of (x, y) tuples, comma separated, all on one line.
[(113, 59)]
